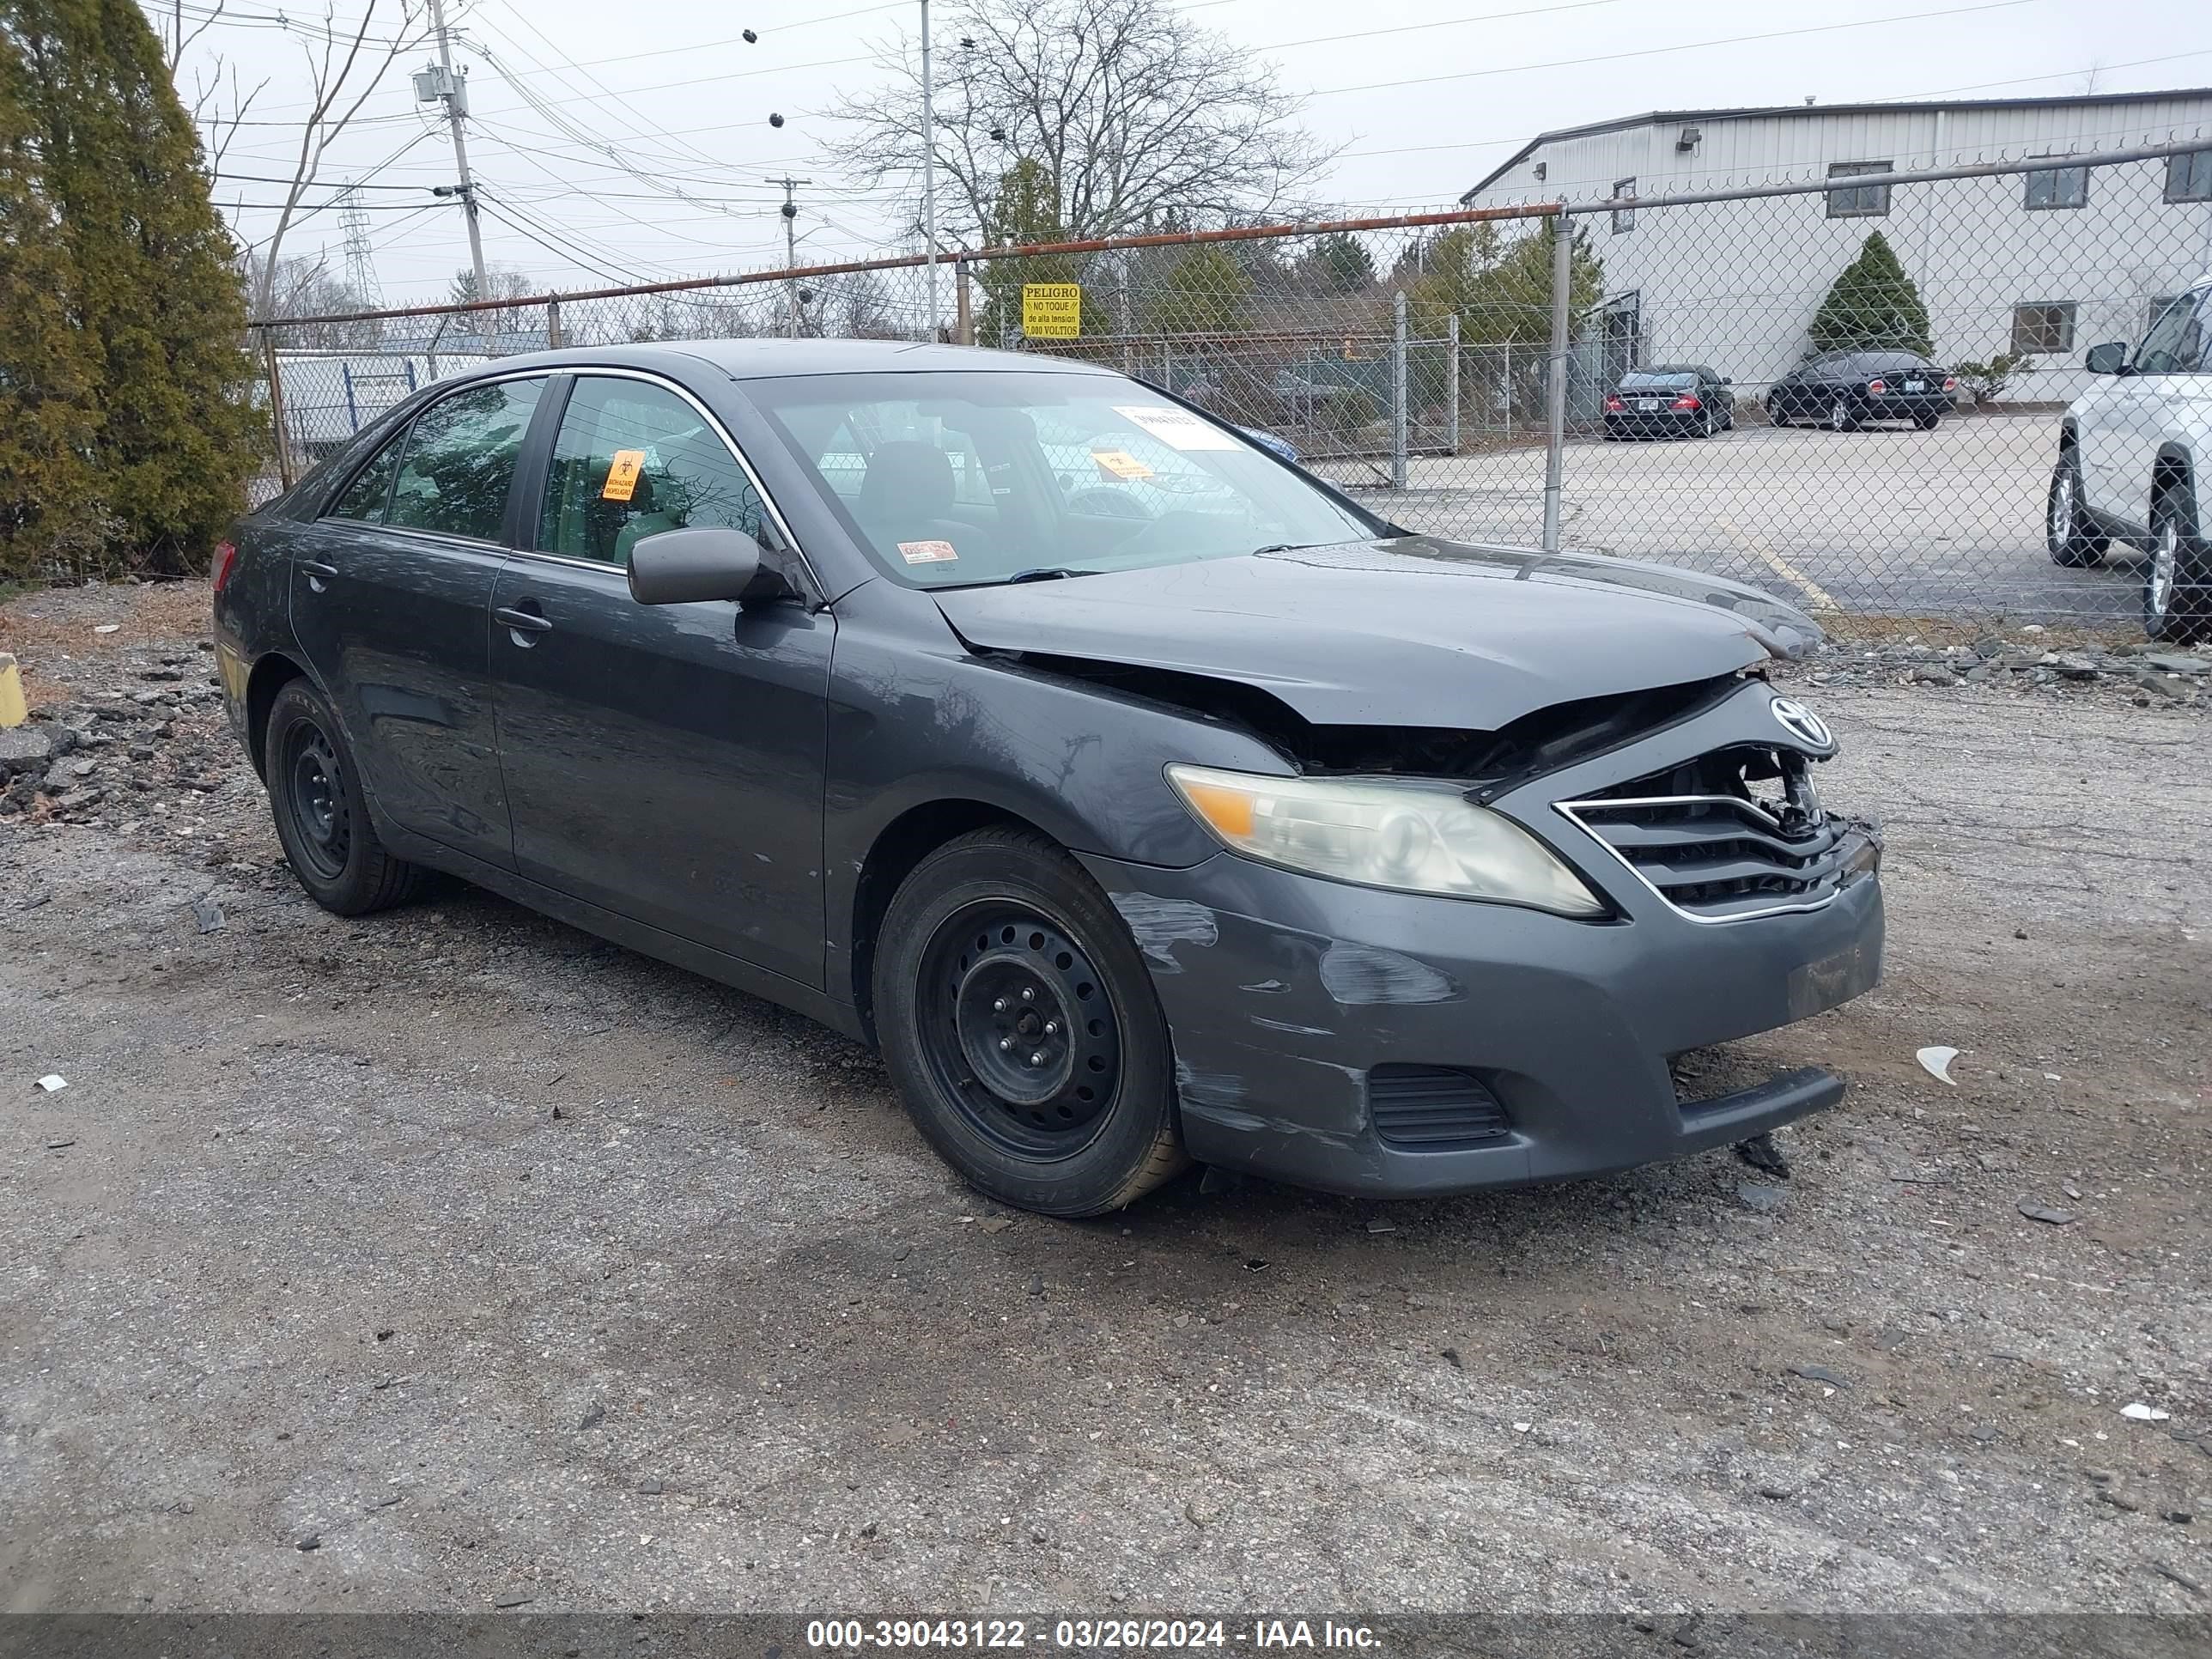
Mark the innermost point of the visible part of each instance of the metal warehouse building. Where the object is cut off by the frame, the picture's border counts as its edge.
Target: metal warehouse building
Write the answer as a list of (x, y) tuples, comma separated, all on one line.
[(2043, 264)]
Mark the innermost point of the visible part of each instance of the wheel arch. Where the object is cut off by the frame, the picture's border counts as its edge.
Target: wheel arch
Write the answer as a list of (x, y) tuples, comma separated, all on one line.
[(898, 848), (270, 674), (2172, 465)]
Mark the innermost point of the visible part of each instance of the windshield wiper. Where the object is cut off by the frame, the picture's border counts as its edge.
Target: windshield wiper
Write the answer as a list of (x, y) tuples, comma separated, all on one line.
[(1045, 573), (1288, 547)]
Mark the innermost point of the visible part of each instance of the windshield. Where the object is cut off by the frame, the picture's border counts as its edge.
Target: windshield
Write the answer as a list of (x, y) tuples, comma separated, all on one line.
[(956, 478), (1658, 381)]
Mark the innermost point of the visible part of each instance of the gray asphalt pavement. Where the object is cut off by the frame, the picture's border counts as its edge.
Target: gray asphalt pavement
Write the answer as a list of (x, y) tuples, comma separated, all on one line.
[(1901, 522), (505, 1266)]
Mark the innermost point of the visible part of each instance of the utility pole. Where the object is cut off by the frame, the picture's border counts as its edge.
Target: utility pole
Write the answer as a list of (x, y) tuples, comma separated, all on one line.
[(928, 174), (442, 85), (790, 241)]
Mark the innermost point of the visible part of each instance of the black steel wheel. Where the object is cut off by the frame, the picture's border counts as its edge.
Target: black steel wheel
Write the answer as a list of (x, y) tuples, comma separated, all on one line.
[(1018, 1020), (318, 798)]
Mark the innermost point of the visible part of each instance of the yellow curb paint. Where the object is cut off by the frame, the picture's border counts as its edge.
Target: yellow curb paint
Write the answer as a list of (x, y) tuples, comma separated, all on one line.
[(12, 711)]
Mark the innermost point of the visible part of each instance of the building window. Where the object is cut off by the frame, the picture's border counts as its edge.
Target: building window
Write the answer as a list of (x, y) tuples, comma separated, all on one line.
[(2189, 178), (1624, 219), (2044, 325), (2059, 187), (1861, 201)]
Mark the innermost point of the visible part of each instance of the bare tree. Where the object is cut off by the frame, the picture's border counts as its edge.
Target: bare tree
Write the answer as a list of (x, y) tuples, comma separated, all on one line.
[(217, 111), (345, 64), (1136, 115), (304, 287)]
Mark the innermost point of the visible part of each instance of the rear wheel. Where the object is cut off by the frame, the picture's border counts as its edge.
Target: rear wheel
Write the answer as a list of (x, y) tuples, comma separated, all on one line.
[(1929, 421), (2067, 531), (1019, 1022), (1841, 416), (2177, 586), (320, 805)]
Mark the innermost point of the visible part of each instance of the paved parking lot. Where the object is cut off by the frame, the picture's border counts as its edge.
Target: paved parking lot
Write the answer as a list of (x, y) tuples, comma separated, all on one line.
[(452, 1257), (1884, 521)]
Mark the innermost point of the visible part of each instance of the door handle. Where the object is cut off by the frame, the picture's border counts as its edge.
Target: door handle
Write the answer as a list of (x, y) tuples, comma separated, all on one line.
[(318, 575), (522, 621)]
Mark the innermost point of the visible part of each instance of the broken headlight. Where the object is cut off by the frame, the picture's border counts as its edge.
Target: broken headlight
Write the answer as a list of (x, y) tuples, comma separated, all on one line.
[(1414, 836)]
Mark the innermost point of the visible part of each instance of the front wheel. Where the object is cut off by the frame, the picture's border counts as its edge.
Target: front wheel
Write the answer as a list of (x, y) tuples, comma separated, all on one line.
[(2177, 586), (2067, 531), (1019, 1022), (320, 804)]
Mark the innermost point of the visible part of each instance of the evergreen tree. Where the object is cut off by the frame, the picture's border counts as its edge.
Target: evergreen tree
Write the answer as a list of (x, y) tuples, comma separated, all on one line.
[(51, 521), (1204, 292), (154, 306), (1502, 291), (1874, 306), (1339, 262)]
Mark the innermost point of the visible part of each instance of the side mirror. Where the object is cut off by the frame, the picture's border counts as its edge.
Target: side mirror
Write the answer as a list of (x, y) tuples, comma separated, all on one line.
[(2108, 359), (700, 561)]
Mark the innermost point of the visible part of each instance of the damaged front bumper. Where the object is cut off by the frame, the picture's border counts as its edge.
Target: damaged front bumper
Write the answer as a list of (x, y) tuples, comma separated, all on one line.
[(1370, 1041)]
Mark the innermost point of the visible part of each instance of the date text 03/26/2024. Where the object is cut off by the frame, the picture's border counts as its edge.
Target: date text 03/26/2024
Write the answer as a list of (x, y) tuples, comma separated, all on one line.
[(1087, 1635)]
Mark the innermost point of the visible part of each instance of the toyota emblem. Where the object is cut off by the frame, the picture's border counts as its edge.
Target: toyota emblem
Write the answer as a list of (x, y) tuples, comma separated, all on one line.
[(1802, 723)]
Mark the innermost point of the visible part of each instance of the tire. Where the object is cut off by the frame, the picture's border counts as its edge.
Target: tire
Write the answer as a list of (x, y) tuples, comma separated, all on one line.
[(1929, 421), (321, 805), (2178, 583), (1841, 417), (999, 937), (1708, 432), (1778, 414), (2073, 543)]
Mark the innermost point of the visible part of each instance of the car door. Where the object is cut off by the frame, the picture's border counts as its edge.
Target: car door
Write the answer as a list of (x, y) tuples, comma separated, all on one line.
[(391, 593), (2119, 439), (662, 762)]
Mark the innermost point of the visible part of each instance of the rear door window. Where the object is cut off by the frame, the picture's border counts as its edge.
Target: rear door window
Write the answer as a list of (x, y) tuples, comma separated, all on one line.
[(364, 498), (461, 459), (634, 458)]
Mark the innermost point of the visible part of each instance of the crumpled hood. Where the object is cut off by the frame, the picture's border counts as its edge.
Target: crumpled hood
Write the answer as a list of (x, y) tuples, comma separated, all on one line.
[(1410, 631)]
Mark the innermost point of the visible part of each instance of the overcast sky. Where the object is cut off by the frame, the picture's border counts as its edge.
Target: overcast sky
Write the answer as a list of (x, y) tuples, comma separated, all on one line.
[(673, 90)]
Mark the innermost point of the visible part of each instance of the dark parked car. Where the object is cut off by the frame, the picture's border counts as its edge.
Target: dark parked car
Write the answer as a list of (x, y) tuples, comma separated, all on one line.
[(1845, 391), (1674, 400), (1227, 822)]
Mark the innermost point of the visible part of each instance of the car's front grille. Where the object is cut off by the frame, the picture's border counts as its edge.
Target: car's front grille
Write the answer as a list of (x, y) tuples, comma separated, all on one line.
[(1735, 834), (1432, 1109)]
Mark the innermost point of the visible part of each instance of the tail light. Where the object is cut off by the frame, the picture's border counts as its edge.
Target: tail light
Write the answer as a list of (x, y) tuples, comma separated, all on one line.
[(1613, 405), (1687, 401), (1875, 388), (1950, 383), (225, 557)]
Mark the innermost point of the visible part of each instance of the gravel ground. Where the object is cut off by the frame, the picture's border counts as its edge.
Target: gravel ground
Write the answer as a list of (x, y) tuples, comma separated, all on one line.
[(494, 1262)]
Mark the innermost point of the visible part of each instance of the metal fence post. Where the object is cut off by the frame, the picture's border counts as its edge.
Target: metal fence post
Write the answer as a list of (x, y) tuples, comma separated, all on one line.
[(1506, 380), (553, 339), (1555, 411), (1451, 377), (1398, 391), (276, 409), (964, 309)]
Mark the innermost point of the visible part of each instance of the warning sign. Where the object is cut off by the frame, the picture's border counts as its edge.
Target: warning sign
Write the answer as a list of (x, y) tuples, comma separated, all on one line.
[(622, 475), (1052, 311)]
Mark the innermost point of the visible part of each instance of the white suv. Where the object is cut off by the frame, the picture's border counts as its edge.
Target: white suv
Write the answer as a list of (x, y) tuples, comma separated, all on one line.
[(2131, 453)]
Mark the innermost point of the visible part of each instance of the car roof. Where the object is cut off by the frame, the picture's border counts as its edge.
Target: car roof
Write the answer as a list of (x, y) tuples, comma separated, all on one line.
[(763, 358)]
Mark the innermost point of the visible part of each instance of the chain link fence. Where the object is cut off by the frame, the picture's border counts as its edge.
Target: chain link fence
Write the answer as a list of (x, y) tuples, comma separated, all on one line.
[(1848, 395)]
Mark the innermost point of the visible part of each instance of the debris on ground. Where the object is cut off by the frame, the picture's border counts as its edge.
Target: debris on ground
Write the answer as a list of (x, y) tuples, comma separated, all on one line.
[(2044, 1212), (54, 1083), (2139, 1412), (1937, 1062)]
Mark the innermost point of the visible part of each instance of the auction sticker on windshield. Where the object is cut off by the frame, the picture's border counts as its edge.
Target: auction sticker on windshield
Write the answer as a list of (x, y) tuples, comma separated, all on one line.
[(927, 552), (1120, 464), (1178, 428)]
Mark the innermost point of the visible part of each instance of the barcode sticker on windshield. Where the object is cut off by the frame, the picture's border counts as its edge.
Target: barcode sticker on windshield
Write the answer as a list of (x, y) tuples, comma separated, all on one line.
[(1178, 428), (622, 475), (927, 552), (1120, 464)]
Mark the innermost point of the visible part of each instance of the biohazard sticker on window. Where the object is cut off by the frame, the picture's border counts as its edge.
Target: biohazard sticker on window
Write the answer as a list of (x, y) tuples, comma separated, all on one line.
[(1178, 428), (927, 552), (1120, 464), (621, 476)]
